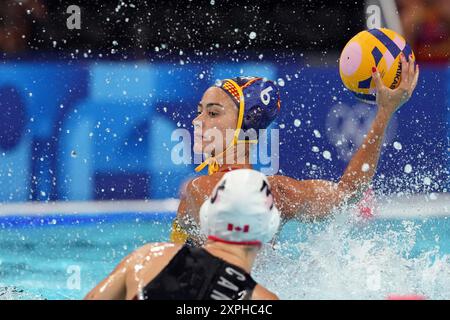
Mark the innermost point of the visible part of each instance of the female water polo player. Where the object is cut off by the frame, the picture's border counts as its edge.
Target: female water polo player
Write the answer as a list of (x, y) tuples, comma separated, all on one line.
[(252, 103), (238, 218)]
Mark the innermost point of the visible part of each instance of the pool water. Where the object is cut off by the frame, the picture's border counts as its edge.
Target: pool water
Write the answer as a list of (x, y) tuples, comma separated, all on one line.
[(64, 257), (40, 255)]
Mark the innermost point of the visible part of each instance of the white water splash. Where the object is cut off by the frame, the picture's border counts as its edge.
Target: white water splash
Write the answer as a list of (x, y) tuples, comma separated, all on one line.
[(351, 259), (15, 293)]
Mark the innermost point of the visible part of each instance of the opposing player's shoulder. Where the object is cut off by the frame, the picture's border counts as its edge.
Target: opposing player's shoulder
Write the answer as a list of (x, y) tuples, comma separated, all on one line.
[(261, 293), (154, 249)]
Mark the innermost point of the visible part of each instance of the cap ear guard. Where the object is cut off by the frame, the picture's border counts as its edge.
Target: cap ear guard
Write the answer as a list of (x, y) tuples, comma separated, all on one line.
[(204, 209), (273, 225)]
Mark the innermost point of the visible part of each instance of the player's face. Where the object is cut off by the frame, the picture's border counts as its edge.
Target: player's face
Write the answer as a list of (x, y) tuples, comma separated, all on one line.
[(216, 117)]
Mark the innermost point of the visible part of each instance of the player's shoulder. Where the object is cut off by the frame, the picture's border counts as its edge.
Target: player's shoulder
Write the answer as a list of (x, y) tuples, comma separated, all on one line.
[(261, 293), (155, 249), (279, 182), (199, 185), (278, 178)]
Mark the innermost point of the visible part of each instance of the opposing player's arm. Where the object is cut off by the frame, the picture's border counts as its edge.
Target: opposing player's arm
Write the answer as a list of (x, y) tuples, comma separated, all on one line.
[(113, 287), (261, 293), (314, 199), (116, 285)]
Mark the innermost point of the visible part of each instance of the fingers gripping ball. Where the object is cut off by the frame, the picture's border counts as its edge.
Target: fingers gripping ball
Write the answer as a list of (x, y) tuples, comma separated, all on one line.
[(380, 48)]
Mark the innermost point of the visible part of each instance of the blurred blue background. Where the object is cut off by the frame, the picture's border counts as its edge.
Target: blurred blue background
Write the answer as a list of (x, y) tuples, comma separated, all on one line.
[(102, 130)]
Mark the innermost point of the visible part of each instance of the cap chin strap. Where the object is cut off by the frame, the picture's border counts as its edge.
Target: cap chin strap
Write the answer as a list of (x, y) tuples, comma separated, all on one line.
[(244, 243), (212, 162)]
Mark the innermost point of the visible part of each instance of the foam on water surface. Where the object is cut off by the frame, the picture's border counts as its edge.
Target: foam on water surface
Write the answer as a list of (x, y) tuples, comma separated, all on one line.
[(363, 260)]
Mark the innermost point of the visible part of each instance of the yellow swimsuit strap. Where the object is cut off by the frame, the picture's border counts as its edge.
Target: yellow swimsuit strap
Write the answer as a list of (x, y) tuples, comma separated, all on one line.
[(178, 234)]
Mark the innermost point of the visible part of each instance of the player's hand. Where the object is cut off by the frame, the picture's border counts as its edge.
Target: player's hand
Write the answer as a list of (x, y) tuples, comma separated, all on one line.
[(390, 100)]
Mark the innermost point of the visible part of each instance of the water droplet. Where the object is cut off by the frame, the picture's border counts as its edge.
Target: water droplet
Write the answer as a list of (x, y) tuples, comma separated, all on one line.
[(317, 134), (407, 168), (297, 123), (397, 145)]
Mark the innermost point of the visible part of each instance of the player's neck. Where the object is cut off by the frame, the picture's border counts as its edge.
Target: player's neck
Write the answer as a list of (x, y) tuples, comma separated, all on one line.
[(235, 254), (236, 158)]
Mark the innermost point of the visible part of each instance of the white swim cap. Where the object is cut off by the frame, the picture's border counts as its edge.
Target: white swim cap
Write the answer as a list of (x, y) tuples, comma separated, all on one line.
[(240, 210)]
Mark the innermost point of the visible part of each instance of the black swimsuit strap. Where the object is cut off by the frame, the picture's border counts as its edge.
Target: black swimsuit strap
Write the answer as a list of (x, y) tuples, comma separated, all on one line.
[(195, 274)]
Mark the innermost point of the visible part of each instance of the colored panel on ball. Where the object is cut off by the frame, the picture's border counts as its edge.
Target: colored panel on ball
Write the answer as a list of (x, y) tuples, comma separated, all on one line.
[(377, 55), (350, 59), (365, 84), (386, 41), (407, 51)]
